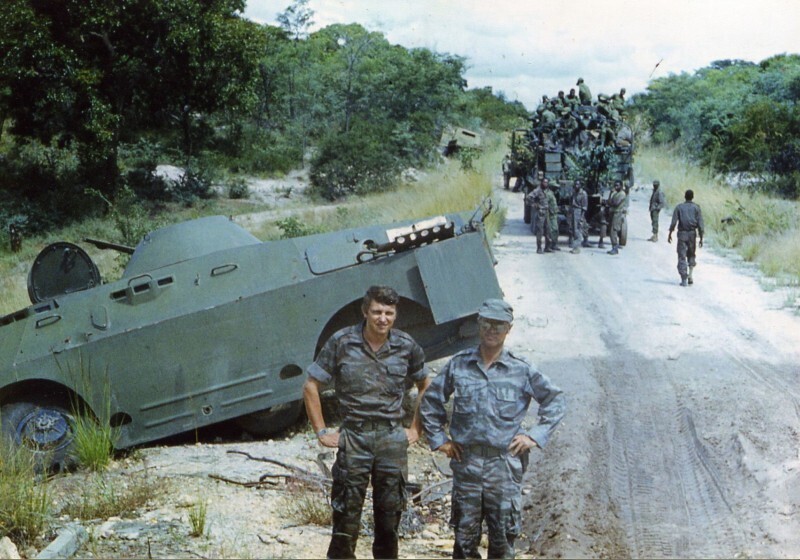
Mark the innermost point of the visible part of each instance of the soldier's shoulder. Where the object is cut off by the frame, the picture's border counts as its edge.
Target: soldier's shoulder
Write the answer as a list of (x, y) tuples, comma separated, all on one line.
[(403, 337), (516, 357)]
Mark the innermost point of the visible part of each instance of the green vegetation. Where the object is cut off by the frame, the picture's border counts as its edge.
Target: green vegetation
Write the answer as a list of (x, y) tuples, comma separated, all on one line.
[(733, 117), (25, 500), (197, 518), (308, 504), (763, 229), (99, 496), (93, 97)]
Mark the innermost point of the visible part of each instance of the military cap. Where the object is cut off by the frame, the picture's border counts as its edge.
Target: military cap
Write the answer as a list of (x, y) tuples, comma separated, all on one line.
[(656, 183), (496, 309)]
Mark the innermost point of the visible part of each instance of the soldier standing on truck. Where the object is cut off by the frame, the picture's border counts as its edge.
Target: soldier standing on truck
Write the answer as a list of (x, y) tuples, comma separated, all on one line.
[(573, 102), (617, 204), (584, 93), (657, 202), (537, 200), (578, 207)]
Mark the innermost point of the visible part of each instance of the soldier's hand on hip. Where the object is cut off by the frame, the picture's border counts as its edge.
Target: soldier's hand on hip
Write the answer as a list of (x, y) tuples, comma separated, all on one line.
[(451, 449), (329, 439), (412, 435), (521, 443)]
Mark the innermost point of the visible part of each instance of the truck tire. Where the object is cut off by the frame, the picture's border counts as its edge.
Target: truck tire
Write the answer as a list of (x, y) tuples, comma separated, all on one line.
[(45, 428)]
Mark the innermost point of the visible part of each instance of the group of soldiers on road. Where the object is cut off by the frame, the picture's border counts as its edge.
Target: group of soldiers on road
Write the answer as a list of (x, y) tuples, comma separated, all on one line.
[(687, 218), (544, 217)]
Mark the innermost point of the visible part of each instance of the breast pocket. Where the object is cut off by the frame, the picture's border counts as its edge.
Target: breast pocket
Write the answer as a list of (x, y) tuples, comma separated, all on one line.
[(352, 379), (396, 379), (508, 403), (466, 398)]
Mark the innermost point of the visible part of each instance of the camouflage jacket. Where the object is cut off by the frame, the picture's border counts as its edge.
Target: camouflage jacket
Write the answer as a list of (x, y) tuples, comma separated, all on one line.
[(489, 405), (369, 385)]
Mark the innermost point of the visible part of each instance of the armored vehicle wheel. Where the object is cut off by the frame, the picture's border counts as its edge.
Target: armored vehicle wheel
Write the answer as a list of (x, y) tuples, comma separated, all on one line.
[(527, 214), (272, 420), (623, 233), (44, 428)]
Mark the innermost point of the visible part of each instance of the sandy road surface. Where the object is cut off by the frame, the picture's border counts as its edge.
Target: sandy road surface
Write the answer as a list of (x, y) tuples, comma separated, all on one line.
[(681, 437)]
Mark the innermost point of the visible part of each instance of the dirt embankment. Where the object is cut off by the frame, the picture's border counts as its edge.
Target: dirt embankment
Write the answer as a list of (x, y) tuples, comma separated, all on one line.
[(681, 437)]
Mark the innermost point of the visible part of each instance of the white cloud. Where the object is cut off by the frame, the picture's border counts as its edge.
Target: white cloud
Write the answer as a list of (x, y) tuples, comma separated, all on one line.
[(528, 48)]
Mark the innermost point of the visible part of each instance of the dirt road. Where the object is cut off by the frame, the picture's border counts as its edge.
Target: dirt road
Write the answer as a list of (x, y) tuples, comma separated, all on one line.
[(681, 437), (680, 441)]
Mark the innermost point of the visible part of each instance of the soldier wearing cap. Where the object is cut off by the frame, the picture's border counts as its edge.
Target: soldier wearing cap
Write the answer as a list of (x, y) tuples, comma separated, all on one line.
[(371, 364), (492, 389), (617, 206), (688, 217), (657, 202)]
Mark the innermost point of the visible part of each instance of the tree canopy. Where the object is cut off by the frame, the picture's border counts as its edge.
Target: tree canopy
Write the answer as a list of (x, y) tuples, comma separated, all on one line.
[(734, 116)]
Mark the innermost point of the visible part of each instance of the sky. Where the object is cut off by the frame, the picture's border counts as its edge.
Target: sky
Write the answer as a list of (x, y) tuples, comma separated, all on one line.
[(530, 48)]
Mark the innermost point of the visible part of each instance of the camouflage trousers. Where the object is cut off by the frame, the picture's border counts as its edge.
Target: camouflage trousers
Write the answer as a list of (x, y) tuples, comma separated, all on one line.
[(552, 227), (654, 219), (486, 488), (576, 227), (616, 227), (539, 227), (380, 455), (686, 251)]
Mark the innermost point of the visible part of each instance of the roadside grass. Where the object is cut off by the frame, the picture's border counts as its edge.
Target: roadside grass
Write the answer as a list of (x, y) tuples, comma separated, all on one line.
[(306, 504), (100, 496), (763, 230), (197, 518), (25, 500)]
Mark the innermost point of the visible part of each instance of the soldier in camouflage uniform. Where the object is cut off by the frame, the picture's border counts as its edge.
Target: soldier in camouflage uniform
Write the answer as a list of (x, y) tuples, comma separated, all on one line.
[(689, 219), (371, 364), (492, 389), (657, 202), (551, 240), (617, 206), (578, 207), (584, 93), (537, 200)]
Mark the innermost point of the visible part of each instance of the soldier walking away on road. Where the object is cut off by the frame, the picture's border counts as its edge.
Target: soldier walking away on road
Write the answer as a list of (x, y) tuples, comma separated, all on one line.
[(370, 364), (689, 219), (616, 209), (551, 240), (580, 202), (492, 389), (506, 171), (657, 202), (537, 200), (584, 93)]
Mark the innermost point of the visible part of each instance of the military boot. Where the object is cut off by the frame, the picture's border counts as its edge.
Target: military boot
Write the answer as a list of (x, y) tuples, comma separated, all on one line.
[(539, 247), (653, 237), (684, 281), (614, 251), (585, 243), (689, 279), (600, 244)]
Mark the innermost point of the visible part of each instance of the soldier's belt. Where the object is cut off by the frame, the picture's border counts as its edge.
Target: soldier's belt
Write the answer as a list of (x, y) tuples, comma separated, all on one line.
[(370, 425), (485, 450)]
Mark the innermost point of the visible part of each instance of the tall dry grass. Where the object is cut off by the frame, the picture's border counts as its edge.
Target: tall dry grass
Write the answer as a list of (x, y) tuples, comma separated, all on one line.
[(762, 229)]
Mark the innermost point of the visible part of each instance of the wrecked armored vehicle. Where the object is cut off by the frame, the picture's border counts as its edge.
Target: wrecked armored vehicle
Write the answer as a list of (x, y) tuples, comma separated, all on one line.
[(209, 324)]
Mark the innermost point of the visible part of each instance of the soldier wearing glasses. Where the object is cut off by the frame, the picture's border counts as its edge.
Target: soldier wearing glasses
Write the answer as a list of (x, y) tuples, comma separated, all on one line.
[(492, 389)]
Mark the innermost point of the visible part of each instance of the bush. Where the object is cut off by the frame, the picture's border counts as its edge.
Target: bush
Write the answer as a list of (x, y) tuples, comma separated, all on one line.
[(354, 162), (238, 189)]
